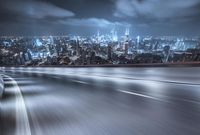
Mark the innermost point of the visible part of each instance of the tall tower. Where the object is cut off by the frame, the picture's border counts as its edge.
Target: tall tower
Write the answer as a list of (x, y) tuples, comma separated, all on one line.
[(126, 42), (114, 35), (98, 37), (77, 47), (51, 40), (138, 41), (127, 32), (109, 52)]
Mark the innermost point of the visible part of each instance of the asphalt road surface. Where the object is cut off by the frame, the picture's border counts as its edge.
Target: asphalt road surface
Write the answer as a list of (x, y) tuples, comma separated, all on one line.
[(151, 101)]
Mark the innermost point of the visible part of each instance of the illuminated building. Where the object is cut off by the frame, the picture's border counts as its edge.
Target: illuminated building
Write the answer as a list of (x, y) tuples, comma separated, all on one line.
[(114, 35), (98, 37), (126, 43), (38, 42), (109, 52), (138, 41)]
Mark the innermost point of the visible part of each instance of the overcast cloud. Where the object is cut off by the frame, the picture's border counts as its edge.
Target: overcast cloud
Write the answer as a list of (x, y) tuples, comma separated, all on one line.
[(35, 9), (157, 9), (144, 17)]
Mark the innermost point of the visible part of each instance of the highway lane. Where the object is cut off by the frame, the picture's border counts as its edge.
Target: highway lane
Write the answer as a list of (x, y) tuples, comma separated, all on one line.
[(100, 105)]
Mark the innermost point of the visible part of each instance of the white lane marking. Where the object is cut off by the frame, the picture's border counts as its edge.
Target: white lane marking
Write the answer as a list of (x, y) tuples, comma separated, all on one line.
[(140, 95), (1, 89), (57, 77), (22, 121), (159, 99), (82, 82)]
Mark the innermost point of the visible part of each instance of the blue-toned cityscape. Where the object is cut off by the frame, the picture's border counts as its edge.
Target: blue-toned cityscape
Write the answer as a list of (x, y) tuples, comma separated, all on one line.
[(99, 67), (99, 49)]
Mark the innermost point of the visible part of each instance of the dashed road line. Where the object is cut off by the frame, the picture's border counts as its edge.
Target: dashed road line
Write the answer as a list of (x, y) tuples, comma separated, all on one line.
[(82, 82), (140, 95)]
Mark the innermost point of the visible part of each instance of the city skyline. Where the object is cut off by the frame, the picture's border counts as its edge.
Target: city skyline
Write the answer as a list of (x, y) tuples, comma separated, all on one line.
[(84, 17), (99, 67), (98, 49)]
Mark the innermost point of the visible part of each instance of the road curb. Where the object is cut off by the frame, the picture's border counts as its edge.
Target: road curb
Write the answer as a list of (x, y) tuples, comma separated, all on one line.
[(1, 86)]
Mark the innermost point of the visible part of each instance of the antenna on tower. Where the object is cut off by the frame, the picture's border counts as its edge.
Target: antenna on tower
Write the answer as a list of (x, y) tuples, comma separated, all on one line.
[(127, 32), (98, 36), (98, 33)]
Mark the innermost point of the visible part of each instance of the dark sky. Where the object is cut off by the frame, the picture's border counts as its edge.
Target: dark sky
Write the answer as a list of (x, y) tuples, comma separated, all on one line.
[(85, 17)]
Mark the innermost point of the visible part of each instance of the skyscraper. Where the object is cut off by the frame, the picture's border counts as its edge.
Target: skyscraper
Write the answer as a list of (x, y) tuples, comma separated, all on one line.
[(109, 52), (138, 41), (126, 41), (98, 37), (114, 35)]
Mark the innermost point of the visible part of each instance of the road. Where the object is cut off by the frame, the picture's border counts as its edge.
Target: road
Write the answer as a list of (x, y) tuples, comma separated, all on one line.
[(123, 101)]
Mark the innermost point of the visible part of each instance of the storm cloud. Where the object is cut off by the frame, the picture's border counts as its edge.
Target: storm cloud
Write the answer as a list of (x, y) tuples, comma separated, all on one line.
[(143, 17), (35, 9), (157, 9), (94, 22)]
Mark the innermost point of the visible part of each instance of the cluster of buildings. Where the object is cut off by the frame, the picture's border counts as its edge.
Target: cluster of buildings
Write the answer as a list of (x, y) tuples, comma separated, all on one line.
[(97, 49)]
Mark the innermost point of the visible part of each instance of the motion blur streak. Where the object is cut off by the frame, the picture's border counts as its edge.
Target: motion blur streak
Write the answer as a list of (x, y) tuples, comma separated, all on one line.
[(22, 121), (101, 101)]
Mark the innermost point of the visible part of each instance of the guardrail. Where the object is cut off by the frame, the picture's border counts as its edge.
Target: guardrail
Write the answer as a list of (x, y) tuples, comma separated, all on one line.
[(174, 64), (1, 86), (190, 75)]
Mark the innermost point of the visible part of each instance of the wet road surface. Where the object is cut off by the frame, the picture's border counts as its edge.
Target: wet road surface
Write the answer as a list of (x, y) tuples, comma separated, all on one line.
[(102, 104)]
